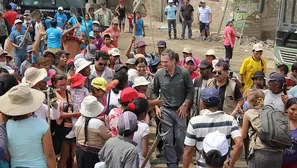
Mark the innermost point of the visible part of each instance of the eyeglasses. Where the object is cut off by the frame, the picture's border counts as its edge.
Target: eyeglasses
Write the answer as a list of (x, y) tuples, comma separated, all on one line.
[(217, 72)]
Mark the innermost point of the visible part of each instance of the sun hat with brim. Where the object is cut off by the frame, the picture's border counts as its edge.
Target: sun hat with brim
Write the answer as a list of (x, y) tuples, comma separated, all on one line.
[(21, 100), (77, 80), (140, 81), (90, 107), (210, 52), (99, 83), (9, 57), (114, 52), (3, 52), (80, 64), (48, 52), (17, 21), (33, 75)]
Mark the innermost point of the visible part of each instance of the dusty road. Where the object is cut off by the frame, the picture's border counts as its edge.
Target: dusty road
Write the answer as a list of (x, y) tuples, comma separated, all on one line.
[(199, 48)]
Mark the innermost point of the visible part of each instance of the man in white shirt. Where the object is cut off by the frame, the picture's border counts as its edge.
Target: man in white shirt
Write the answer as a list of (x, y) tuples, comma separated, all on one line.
[(275, 96), (204, 19)]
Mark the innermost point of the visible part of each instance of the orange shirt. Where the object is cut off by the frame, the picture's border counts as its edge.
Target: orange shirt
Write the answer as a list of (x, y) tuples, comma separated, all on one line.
[(115, 33)]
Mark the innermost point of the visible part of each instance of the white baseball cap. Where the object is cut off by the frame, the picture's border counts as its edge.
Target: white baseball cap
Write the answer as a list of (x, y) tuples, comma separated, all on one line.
[(187, 50), (210, 52), (17, 21), (60, 8), (216, 141), (80, 64), (258, 47), (114, 52), (170, 1)]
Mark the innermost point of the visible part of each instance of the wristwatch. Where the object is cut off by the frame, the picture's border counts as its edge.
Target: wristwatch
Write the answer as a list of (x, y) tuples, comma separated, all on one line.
[(185, 104)]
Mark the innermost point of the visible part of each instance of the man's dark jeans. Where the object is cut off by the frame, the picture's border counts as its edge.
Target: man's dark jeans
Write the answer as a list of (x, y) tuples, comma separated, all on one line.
[(187, 23), (173, 24)]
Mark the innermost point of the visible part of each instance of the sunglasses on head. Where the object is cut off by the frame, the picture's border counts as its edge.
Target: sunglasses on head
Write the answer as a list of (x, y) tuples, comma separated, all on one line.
[(217, 72)]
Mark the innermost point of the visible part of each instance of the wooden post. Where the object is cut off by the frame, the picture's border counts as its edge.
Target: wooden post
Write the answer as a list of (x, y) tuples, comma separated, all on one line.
[(222, 19)]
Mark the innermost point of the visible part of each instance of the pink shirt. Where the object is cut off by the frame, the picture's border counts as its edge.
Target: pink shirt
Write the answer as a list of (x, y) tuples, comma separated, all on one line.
[(106, 48), (115, 33), (113, 118), (196, 63), (228, 30)]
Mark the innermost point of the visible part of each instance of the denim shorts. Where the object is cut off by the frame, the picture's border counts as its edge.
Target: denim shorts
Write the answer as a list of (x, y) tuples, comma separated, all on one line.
[(204, 26)]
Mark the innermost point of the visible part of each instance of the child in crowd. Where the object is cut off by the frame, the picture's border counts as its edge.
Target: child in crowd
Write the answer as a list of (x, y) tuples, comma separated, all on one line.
[(139, 32), (107, 43), (140, 107), (130, 18), (78, 93), (284, 69)]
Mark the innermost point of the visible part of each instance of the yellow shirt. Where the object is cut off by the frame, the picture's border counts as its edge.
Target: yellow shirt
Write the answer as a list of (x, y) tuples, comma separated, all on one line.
[(248, 68)]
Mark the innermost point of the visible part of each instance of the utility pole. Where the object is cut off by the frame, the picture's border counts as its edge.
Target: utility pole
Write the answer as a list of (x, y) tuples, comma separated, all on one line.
[(223, 16)]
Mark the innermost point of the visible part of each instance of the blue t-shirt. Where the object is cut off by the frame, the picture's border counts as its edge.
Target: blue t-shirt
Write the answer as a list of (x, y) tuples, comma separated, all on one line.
[(16, 37), (54, 36), (72, 21), (78, 33), (47, 23), (171, 12), (61, 19), (89, 24), (25, 142), (293, 91), (139, 24), (23, 28)]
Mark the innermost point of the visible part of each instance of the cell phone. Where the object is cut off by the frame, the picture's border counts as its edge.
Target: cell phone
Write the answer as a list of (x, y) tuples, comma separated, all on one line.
[(285, 89)]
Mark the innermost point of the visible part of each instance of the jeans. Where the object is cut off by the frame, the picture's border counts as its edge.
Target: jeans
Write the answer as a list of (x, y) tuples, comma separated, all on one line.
[(19, 59), (173, 24), (174, 140), (184, 25)]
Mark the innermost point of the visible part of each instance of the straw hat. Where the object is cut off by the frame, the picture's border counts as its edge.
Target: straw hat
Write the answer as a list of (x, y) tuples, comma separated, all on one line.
[(33, 75), (21, 100), (90, 107)]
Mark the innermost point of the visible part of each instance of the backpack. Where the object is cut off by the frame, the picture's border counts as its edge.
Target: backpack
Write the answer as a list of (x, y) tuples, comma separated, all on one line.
[(275, 130)]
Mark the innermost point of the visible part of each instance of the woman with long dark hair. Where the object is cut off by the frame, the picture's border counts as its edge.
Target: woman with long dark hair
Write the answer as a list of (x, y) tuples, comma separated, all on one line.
[(114, 94), (91, 133)]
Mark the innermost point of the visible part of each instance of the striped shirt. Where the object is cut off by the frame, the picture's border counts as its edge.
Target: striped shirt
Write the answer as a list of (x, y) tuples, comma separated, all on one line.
[(208, 122)]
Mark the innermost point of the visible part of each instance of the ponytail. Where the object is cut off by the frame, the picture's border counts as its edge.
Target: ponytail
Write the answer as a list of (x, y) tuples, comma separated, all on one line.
[(86, 129)]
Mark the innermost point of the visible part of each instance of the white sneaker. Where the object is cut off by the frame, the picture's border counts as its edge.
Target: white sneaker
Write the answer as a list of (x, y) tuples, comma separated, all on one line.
[(70, 135)]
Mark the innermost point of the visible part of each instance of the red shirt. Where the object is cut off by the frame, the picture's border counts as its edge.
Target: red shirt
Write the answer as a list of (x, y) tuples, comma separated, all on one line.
[(115, 33), (290, 82), (106, 48), (194, 74), (10, 16)]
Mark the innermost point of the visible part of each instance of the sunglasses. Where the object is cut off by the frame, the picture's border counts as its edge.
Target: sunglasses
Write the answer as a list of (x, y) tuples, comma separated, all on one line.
[(101, 64), (217, 72)]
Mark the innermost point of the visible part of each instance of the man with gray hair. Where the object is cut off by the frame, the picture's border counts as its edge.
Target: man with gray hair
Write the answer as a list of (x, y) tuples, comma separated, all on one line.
[(121, 151), (174, 85)]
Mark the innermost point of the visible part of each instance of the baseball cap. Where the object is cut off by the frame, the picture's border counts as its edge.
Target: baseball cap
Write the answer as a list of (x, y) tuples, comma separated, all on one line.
[(29, 48), (99, 83), (187, 50), (46, 52), (161, 43), (17, 21), (91, 35), (130, 61), (118, 67), (27, 12), (140, 44), (96, 22), (60, 8), (278, 77), (91, 52), (127, 123), (128, 94), (216, 141), (18, 8), (210, 95), (170, 1), (188, 59), (210, 52), (228, 21), (61, 52), (114, 52), (205, 64), (258, 47), (258, 74)]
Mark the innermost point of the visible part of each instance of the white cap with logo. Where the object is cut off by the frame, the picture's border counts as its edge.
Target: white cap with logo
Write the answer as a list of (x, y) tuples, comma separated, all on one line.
[(258, 47)]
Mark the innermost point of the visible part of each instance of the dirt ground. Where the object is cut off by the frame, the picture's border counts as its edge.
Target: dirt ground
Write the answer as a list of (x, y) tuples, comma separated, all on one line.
[(199, 49)]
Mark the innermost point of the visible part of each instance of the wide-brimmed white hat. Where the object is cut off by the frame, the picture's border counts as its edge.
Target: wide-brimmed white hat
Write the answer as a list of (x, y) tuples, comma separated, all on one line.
[(80, 64), (90, 107), (210, 52), (140, 81), (33, 75), (21, 100)]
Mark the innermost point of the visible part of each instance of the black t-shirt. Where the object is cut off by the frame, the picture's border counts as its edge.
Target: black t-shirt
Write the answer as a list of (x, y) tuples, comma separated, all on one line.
[(187, 12)]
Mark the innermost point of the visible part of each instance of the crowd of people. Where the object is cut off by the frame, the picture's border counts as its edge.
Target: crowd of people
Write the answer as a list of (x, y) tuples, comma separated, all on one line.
[(68, 98)]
